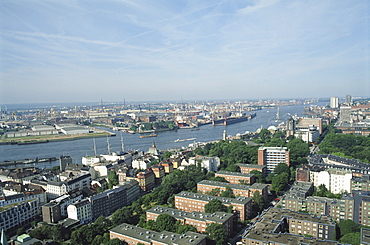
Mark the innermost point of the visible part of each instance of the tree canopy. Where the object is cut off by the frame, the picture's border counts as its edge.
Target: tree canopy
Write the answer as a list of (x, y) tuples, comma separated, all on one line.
[(217, 233), (215, 205)]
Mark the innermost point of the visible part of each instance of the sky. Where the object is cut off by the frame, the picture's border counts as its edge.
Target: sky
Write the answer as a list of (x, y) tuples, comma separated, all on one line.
[(156, 50)]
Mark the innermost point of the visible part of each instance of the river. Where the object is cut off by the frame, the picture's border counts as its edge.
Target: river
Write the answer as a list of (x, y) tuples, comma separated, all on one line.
[(165, 140)]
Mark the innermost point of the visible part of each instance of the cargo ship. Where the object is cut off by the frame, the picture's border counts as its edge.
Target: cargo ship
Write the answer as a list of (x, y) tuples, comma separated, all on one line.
[(149, 135), (232, 120)]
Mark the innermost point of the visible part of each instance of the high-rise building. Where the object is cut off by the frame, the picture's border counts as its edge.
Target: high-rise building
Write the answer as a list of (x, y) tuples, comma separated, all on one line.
[(334, 102), (272, 156), (349, 99), (345, 114)]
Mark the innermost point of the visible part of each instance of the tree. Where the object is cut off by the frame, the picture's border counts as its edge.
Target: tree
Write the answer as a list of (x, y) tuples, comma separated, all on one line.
[(115, 241), (181, 229), (351, 238), (265, 135), (228, 192), (112, 179), (165, 222), (217, 233), (347, 226), (258, 202), (281, 168), (279, 182), (260, 177), (215, 205)]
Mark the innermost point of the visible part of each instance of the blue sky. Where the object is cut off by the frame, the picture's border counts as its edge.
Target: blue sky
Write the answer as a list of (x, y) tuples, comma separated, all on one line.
[(59, 51)]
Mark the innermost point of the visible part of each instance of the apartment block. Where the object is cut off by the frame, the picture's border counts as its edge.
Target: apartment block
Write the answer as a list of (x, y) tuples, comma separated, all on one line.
[(105, 203), (197, 219), (282, 226), (18, 214), (236, 177), (247, 168), (195, 202), (132, 191), (209, 163), (146, 180), (272, 156), (205, 186), (159, 173), (168, 167), (80, 211), (336, 180), (134, 235)]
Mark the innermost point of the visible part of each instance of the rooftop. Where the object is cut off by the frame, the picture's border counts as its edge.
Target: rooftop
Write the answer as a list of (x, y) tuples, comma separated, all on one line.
[(207, 198)]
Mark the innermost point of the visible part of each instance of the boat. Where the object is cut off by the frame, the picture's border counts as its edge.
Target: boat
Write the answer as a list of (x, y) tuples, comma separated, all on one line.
[(148, 135), (194, 129), (130, 131), (178, 140)]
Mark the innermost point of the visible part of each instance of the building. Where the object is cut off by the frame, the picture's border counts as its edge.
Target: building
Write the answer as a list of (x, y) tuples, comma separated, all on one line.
[(159, 173), (283, 226), (272, 156), (168, 167), (345, 114), (206, 186), (247, 168), (209, 163), (236, 177), (195, 202), (80, 211), (197, 219), (19, 214), (349, 100), (56, 210), (334, 102), (336, 180), (134, 235), (132, 190), (105, 203), (146, 180)]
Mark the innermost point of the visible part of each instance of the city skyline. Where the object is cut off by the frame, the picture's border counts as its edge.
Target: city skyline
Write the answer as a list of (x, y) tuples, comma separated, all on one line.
[(55, 52)]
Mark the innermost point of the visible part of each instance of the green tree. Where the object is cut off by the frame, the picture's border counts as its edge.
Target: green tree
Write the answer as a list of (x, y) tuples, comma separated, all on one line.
[(351, 238), (112, 179), (260, 177), (115, 241), (228, 192), (258, 202), (281, 168), (215, 205), (265, 135), (217, 233), (279, 182), (181, 229), (347, 226), (165, 222)]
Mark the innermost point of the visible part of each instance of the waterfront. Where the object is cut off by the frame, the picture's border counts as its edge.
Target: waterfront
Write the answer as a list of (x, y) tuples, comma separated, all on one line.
[(165, 140)]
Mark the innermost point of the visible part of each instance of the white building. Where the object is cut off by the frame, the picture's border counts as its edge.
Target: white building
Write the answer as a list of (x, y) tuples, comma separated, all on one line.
[(91, 160), (81, 211), (334, 102), (209, 163), (308, 134), (336, 180), (19, 214)]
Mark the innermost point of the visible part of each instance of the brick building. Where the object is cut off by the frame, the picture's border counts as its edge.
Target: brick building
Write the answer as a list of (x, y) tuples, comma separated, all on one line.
[(236, 177), (195, 202), (197, 219)]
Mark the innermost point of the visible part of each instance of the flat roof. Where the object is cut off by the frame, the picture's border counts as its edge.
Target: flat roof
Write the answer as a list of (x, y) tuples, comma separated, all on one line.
[(164, 237), (258, 186), (207, 198), (217, 217)]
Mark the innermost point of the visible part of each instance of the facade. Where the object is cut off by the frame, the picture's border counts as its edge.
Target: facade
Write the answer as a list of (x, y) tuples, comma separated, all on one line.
[(334, 102), (282, 226), (105, 203), (272, 156), (206, 186), (195, 202), (168, 167), (197, 219), (247, 168), (345, 114), (209, 163), (18, 215), (236, 177), (336, 180), (132, 191), (134, 235), (146, 180), (80, 211)]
